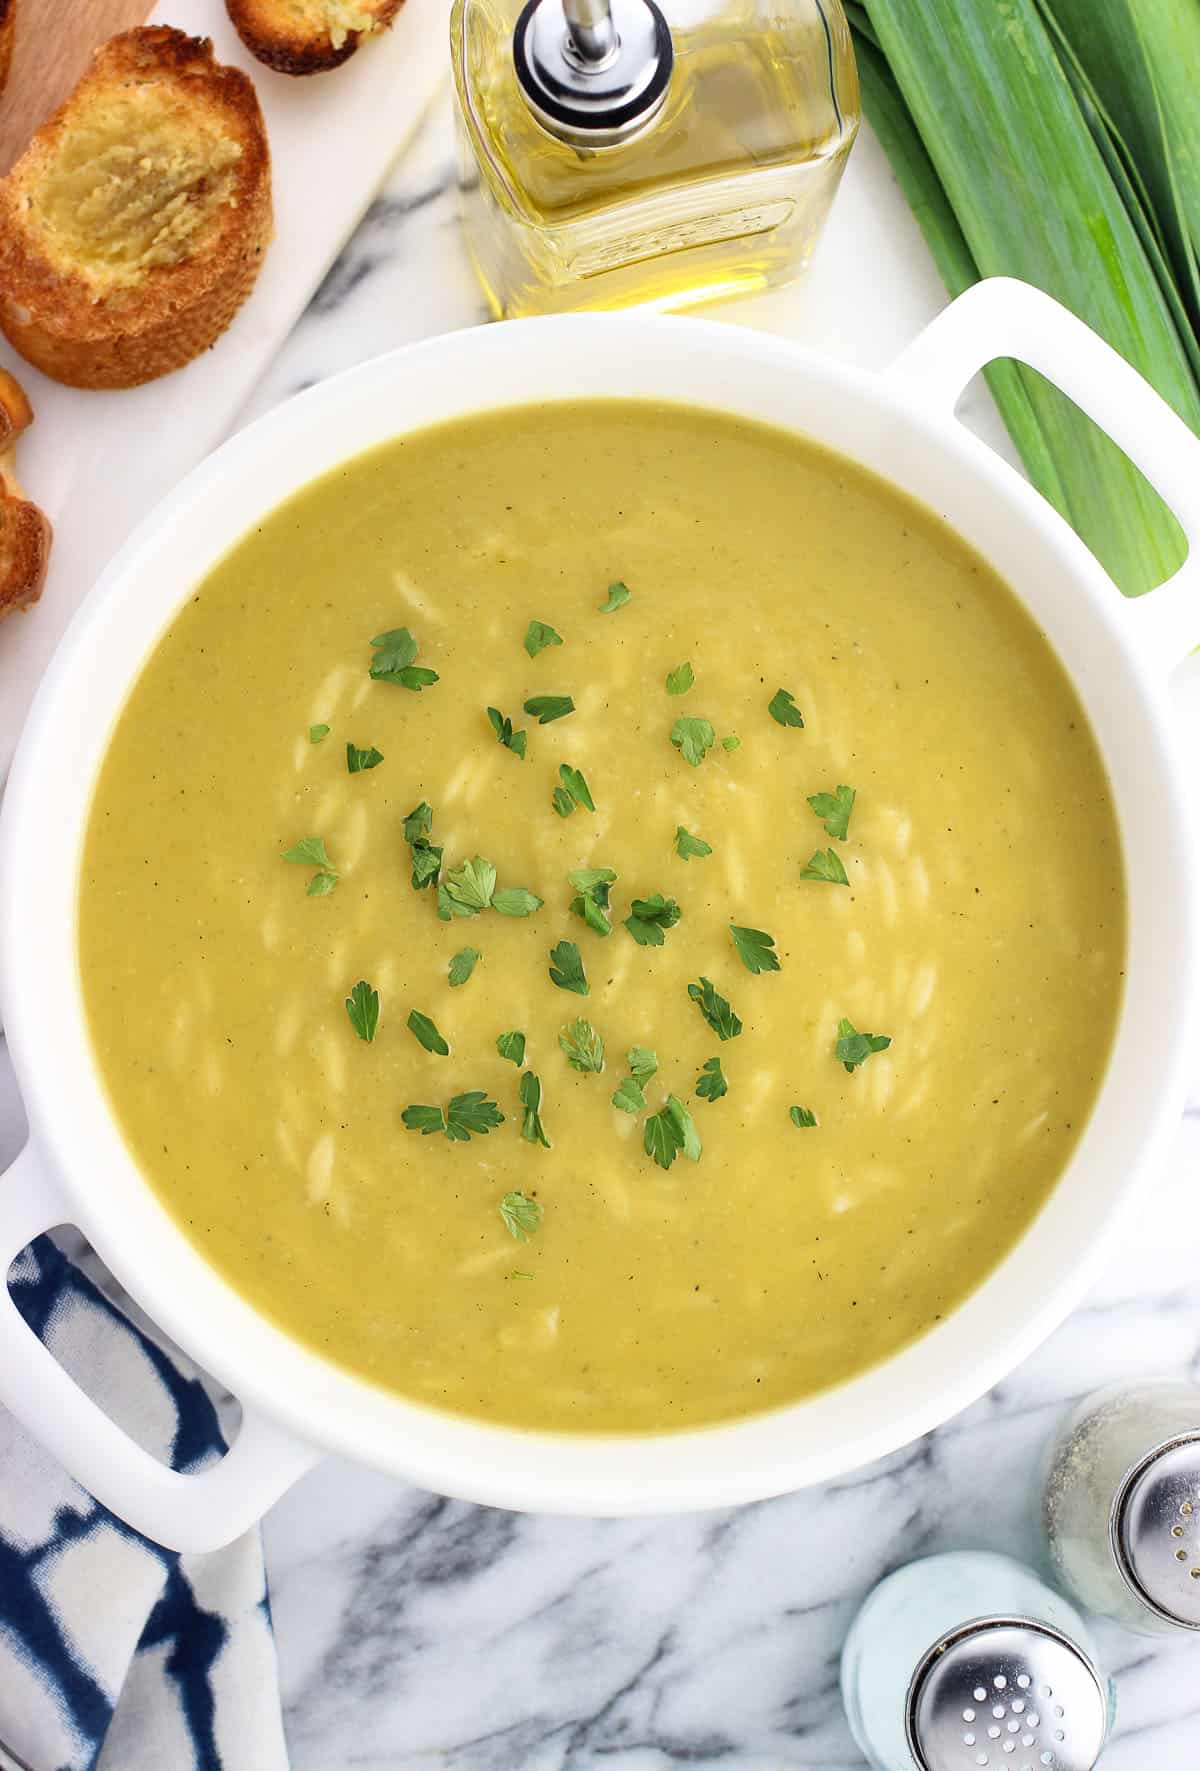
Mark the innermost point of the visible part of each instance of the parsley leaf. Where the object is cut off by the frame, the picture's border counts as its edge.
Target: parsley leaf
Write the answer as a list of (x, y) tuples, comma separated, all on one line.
[(566, 968), (593, 886), (573, 792), (825, 864), (671, 1132), (362, 1006), (755, 949), (515, 901), (426, 856), (463, 964), (521, 1216), (310, 852), (733, 742), (801, 1116), (512, 1046), (687, 845), (393, 661), (834, 810), (854, 1048), (538, 635), (650, 917), (783, 710), (544, 708), (715, 1009), (618, 593), (471, 1114), (711, 1083), (358, 760), (419, 822), (471, 886), (583, 1046), (693, 739), (680, 680), (503, 728), (426, 1033), (532, 1129), (628, 1096), (642, 1062), (316, 733)]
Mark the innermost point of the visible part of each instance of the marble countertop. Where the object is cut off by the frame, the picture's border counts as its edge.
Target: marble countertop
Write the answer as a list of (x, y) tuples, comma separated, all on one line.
[(416, 1632)]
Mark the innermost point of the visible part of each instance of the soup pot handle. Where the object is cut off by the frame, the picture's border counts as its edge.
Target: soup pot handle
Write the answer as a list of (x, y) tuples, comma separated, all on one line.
[(1001, 317), (192, 1512)]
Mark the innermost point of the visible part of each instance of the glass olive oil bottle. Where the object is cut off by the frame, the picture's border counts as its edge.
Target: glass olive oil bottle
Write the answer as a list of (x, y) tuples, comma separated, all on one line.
[(615, 154)]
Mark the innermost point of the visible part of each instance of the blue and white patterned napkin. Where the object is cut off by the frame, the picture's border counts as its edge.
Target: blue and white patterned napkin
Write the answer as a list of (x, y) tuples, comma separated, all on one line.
[(116, 1655)]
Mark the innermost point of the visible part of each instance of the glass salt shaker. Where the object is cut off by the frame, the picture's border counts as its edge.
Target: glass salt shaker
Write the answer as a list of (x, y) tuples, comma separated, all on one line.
[(969, 1660), (1122, 1506)]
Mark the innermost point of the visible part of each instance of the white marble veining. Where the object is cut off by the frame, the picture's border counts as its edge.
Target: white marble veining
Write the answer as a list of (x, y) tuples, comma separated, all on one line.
[(416, 1632)]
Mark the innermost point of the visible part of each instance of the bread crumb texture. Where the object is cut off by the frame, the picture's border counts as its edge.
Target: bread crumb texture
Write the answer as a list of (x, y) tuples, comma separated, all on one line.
[(308, 36)]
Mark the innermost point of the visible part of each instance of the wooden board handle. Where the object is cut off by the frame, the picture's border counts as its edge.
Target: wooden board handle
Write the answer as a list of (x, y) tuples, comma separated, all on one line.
[(54, 43)]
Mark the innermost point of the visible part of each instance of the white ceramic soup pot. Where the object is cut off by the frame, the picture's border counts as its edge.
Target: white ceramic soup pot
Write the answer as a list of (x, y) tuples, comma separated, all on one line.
[(76, 1168)]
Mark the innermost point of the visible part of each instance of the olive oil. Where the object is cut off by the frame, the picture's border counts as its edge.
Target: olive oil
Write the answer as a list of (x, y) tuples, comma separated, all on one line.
[(695, 155)]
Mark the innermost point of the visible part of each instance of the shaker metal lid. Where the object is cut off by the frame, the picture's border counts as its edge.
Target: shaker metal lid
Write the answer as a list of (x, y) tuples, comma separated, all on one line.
[(1156, 1530), (1008, 1694), (593, 72)]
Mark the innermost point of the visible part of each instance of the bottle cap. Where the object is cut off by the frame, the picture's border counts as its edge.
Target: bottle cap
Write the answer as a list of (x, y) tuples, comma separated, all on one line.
[(1008, 1694), (1156, 1530), (593, 72)]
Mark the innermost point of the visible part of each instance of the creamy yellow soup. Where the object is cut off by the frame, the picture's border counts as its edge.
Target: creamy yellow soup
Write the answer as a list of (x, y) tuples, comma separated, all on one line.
[(980, 928)]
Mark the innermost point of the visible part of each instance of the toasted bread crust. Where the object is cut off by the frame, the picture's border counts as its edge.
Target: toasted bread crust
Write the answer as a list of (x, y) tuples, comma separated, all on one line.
[(271, 32), (24, 532), (54, 312)]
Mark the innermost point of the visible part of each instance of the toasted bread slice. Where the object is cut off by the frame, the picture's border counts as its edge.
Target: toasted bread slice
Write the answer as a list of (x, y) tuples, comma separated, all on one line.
[(308, 36), (8, 30), (134, 225), (24, 531)]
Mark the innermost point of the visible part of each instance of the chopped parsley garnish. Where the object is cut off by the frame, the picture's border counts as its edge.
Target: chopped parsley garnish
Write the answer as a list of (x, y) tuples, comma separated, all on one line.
[(316, 733), (466, 1116), (756, 949), (783, 710), (733, 742), (854, 1048), (566, 968), (649, 918), (532, 1129), (310, 852), (470, 888), (573, 792), (358, 760), (801, 1116), (671, 1132), (593, 886), (426, 856), (515, 901), (687, 845), (715, 1009), (463, 964), (424, 1030), (362, 1006), (618, 593), (393, 661), (680, 680), (834, 810), (711, 1083), (521, 1218), (503, 728), (630, 1096), (512, 1046), (693, 739), (538, 635), (544, 708), (825, 864), (583, 1047)]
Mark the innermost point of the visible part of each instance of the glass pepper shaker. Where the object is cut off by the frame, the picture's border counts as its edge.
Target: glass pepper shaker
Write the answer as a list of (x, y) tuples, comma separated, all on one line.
[(969, 1660), (1122, 1506), (615, 152)]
